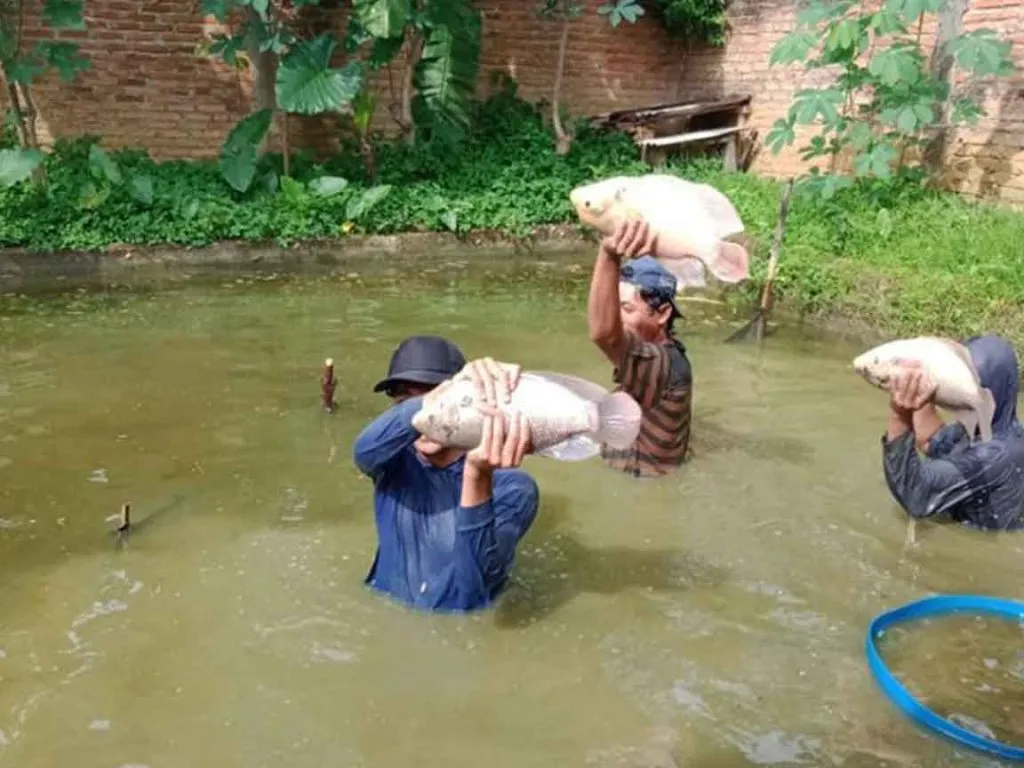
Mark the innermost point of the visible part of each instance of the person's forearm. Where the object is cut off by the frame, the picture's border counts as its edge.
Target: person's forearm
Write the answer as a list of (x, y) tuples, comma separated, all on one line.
[(926, 425), (900, 422), (603, 319), (477, 486), (386, 436)]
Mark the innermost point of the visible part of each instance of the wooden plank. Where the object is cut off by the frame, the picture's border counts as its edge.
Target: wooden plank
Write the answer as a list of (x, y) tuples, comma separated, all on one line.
[(670, 110), (689, 138)]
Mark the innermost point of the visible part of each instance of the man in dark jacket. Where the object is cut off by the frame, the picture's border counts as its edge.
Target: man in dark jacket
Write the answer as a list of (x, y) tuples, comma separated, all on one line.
[(448, 522), (980, 484)]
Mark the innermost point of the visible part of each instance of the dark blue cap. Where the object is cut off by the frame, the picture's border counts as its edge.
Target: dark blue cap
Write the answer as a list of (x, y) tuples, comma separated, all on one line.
[(649, 276), (422, 360)]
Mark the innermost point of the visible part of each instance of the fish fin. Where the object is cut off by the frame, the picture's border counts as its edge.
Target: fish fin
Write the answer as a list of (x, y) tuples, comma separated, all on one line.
[(731, 264), (575, 448), (723, 213), (970, 419), (986, 413), (619, 417), (588, 390), (689, 272)]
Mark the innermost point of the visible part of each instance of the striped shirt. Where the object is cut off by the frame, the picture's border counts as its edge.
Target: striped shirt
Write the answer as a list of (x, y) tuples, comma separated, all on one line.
[(659, 378)]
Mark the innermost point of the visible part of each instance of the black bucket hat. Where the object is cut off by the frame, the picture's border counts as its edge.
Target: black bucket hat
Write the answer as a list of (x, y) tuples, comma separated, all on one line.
[(422, 360)]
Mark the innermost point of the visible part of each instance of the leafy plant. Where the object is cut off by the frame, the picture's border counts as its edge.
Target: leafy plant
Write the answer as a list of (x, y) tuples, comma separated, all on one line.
[(566, 11), (292, 75), (21, 65), (701, 21), (620, 10), (885, 100), (442, 61)]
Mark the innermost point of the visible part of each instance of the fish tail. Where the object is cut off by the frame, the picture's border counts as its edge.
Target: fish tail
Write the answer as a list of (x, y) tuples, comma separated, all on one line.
[(731, 263), (618, 417)]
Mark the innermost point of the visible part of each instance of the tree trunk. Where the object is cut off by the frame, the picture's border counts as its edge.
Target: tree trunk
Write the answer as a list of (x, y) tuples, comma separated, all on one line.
[(563, 141), (264, 72), (951, 26), (406, 122)]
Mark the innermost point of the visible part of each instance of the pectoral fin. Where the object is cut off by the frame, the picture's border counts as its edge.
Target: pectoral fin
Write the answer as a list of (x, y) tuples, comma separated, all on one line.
[(689, 272), (970, 419), (576, 448)]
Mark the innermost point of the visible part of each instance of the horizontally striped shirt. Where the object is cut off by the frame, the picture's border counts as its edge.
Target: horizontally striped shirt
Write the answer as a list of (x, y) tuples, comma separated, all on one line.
[(659, 378)]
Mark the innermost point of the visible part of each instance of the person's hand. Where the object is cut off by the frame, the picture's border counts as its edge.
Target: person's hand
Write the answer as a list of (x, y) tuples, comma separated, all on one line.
[(630, 239), (494, 381), (910, 389), (499, 449)]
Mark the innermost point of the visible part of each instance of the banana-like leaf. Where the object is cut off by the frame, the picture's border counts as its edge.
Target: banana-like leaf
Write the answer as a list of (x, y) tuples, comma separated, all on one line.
[(383, 18), (240, 153), (306, 83), (446, 75), (17, 165)]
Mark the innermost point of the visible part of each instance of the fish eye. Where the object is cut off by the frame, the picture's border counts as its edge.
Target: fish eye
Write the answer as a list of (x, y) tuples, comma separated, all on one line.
[(586, 203)]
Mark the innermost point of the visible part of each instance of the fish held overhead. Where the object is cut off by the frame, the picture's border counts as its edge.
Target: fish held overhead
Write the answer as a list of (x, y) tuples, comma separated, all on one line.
[(948, 365), (691, 222), (569, 418)]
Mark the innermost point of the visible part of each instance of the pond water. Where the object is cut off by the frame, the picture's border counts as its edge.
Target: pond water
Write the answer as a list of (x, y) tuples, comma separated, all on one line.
[(716, 618)]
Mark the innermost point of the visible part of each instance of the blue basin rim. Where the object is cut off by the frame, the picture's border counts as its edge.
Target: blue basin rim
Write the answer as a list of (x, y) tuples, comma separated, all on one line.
[(939, 605)]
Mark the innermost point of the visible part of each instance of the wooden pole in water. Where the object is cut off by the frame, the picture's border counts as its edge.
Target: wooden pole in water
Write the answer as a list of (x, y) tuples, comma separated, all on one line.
[(125, 524), (327, 385)]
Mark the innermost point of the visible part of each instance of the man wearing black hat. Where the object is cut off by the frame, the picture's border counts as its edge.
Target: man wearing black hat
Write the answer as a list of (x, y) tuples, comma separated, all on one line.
[(448, 521), (630, 313)]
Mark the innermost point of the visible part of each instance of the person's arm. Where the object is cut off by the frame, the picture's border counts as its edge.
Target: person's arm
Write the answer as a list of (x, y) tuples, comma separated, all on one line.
[(493, 511), (604, 321), (924, 488), (927, 424), (488, 530), (386, 437)]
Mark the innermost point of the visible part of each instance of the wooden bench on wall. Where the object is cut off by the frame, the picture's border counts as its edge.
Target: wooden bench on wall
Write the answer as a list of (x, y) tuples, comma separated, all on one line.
[(663, 128)]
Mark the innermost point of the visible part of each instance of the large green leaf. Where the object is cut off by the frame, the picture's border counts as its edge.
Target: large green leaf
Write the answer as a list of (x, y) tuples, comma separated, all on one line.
[(306, 83), (446, 75), (383, 18), (240, 153), (16, 165), (103, 165), (64, 14), (62, 56)]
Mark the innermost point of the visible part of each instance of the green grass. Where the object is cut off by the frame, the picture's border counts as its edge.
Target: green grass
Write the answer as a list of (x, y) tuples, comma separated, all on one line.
[(893, 256)]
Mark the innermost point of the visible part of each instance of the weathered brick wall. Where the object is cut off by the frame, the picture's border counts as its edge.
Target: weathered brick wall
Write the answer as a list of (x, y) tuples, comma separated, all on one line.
[(149, 87)]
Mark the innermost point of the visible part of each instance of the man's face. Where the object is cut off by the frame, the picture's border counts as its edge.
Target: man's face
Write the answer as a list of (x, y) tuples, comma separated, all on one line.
[(637, 315)]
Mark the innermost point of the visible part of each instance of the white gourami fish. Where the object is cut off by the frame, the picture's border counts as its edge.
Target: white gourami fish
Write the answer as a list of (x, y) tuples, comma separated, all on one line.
[(948, 365), (691, 221), (568, 417)]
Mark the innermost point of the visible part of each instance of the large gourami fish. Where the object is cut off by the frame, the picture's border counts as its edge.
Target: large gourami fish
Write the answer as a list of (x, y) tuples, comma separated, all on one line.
[(568, 417), (691, 222), (948, 365)]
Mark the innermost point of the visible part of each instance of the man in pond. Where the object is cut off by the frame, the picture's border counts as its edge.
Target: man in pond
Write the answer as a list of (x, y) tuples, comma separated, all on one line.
[(980, 484), (631, 314), (448, 521)]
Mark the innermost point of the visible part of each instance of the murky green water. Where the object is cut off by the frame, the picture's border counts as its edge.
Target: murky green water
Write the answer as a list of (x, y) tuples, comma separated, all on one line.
[(716, 619)]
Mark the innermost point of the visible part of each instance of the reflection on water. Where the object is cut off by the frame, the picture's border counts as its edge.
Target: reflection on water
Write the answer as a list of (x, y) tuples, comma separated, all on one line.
[(716, 618)]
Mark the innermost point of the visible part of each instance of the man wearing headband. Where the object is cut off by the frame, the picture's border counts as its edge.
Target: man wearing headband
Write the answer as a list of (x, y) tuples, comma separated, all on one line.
[(448, 521), (631, 312)]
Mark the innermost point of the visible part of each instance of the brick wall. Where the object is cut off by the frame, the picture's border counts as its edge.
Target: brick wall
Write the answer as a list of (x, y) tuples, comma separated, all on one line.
[(148, 87)]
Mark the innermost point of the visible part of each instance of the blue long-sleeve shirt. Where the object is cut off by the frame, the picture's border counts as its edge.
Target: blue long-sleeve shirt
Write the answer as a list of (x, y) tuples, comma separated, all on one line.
[(977, 484), (433, 553)]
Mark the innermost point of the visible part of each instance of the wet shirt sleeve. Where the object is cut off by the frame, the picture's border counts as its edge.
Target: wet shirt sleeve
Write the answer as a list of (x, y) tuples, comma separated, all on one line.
[(385, 438), (488, 533), (643, 370), (948, 440), (924, 488)]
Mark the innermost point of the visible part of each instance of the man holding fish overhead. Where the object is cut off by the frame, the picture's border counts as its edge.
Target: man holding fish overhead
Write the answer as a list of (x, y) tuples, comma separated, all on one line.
[(630, 313), (448, 519), (974, 471)]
